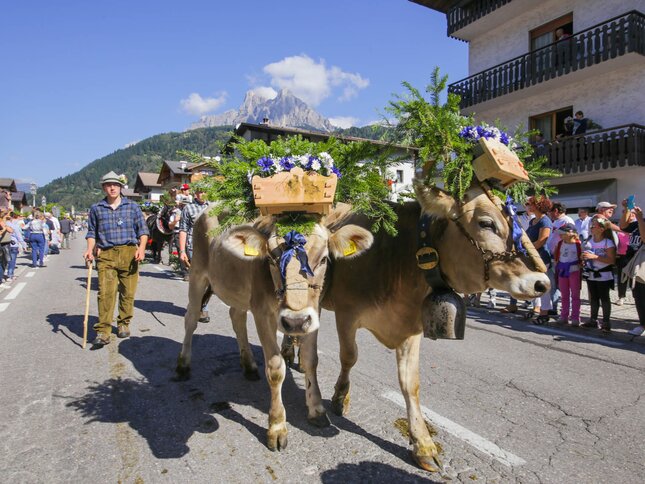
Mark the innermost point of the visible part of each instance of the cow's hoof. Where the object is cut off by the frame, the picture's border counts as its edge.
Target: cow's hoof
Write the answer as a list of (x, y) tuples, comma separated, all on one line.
[(320, 421), (277, 439), (252, 374), (340, 405), (428, 463)]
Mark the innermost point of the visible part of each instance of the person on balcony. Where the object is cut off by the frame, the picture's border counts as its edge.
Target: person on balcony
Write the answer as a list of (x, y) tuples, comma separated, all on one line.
[(579, 124)]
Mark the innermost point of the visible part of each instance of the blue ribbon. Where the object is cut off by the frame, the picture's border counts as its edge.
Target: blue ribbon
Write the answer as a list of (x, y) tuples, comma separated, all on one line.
[(511, 210), (294, 242)]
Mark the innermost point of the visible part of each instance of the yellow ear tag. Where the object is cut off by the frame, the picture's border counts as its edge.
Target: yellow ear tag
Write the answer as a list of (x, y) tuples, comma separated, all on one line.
[(251, 251), (350, 249)]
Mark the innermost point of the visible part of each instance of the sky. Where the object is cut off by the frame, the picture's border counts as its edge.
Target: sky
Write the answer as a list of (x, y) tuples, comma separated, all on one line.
[(82, 79)]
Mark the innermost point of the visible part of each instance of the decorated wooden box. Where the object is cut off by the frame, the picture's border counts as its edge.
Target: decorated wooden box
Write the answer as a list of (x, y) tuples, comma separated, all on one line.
[(498, 162), (294, 191)]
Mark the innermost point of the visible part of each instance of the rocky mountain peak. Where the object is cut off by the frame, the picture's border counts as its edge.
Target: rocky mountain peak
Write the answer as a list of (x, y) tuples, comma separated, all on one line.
[(284, 110)]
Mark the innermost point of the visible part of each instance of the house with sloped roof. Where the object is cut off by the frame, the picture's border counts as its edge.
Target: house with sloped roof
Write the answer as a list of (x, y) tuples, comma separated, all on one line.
[(148, 186), (19, 200), (537, 64)]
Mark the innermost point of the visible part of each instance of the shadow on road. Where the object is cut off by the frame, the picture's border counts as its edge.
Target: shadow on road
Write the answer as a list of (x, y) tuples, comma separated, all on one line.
[(559, 332), (72, 322), (160, 307), (167, 413), (370, 472)]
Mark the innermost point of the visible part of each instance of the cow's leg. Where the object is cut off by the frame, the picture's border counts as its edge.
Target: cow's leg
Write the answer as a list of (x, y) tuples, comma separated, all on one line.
[(275, 369), (196, 289), (308, 359), (424, 451), (249, 366), (348, 357)]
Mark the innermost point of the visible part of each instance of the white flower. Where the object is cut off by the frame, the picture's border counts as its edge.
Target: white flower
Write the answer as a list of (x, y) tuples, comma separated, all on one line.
[(326, 159), (302, 160), (315, 164)]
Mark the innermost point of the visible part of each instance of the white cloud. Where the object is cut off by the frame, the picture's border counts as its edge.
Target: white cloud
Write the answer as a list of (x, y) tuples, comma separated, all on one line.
[(343, 121), (312, 81), (265, 91), (197, 105)]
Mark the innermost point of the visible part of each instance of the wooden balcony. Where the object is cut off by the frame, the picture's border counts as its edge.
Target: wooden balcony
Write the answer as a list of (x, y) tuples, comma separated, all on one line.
[(460, 16), (621, 146), (600, 43)]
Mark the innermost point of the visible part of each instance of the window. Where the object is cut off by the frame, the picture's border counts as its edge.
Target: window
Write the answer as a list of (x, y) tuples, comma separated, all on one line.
[(399, 176), (551, 124), (546, 34)]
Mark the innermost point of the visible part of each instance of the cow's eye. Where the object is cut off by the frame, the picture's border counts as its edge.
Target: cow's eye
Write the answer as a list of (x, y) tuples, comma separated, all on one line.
[(488, 224), (322, 262)]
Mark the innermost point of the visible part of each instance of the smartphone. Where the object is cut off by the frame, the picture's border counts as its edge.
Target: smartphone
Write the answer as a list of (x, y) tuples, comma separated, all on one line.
[(630, 202)]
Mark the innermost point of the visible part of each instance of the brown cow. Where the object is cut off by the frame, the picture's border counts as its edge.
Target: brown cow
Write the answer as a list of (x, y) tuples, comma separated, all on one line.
[(383, 290), (241, 267)]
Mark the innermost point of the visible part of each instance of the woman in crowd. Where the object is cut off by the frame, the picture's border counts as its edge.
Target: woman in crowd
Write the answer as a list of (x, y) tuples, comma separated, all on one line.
[(538, 231), (38, 237), (633, 223), (17, 243), (599, 256)]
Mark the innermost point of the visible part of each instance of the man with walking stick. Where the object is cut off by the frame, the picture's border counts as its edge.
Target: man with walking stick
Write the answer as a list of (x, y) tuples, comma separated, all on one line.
[(117, 232)]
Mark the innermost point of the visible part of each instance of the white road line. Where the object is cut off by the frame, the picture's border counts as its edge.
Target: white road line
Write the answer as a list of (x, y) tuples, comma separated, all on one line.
[(160, 269), (15, 291), (3, 306), (478, 442), (30, 274), (583, 337)]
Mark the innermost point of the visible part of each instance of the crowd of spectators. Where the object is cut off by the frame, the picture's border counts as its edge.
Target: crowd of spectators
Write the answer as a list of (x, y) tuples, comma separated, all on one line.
[(603, 251)]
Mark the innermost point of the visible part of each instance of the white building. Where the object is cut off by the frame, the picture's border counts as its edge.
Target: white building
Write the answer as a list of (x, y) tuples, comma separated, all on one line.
[(520, 75)]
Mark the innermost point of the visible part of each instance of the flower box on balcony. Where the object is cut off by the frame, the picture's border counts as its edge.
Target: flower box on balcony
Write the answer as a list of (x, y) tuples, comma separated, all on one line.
[(497, 161), (294, 191)]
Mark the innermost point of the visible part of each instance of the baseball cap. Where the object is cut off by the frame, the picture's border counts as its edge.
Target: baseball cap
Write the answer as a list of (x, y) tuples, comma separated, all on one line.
[(184, 187), (602, 205), (568, 229)]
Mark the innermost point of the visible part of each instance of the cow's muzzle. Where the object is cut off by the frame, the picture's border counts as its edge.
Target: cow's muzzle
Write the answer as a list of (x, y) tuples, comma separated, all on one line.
[(294, 325)]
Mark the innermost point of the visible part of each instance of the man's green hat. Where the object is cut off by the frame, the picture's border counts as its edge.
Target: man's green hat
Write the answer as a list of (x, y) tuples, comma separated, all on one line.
[(112, 177)]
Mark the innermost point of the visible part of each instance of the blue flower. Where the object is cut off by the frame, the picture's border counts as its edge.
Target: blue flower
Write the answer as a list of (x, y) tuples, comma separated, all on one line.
[(336, 171), (266, 164), (504, 138), (286, 163)]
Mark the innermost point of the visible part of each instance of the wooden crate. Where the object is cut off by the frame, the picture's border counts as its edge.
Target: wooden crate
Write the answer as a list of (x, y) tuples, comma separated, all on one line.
[(294, 191), (498, 162)]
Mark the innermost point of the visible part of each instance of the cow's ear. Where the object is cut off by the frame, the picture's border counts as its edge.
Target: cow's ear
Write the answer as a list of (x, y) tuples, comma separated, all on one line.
[(435, 201), (350, 241), (246, 243)]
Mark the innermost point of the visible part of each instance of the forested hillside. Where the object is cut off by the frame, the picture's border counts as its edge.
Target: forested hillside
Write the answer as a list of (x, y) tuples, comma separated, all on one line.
[(82, 189)]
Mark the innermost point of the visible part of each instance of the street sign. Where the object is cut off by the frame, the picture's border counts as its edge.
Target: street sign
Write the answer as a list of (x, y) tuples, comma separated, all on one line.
[(56, 211)]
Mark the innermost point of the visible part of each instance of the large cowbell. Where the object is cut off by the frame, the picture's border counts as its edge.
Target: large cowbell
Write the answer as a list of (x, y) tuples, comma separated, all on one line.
[(443, 314), (443, 311)]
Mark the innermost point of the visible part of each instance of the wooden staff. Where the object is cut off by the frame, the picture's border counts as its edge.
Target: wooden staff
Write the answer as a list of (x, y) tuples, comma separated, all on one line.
[(87, 301)]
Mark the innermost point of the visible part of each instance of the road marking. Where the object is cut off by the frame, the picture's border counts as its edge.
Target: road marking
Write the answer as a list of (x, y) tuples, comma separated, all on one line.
[(578, 336), (30, 274), (478, 442), (3, 306), (160, 269), (15, 291)]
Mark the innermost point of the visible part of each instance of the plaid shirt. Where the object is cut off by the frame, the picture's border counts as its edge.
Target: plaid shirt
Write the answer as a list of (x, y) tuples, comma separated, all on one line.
[(188, 217), (123, 226)]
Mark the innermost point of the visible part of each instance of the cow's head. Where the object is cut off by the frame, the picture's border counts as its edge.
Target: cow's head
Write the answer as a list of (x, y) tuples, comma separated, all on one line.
[(298, 265), (475, 245)]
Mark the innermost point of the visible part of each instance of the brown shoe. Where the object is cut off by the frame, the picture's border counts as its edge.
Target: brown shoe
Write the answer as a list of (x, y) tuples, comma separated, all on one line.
[(100, 341), (124, 331), (509, 309)]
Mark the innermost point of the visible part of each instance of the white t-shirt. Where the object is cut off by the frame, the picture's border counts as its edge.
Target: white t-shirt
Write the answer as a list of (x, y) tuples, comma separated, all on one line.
[(554, 238), (600, 249), (569, 253)]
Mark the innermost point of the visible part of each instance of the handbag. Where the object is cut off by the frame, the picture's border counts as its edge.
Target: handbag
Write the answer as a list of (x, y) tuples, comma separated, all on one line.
[(634, 270), (5, 238)]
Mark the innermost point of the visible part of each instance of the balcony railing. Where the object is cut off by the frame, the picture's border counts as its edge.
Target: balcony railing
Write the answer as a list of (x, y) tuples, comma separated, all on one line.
[(459, 17), (613, 38), (606, 148)]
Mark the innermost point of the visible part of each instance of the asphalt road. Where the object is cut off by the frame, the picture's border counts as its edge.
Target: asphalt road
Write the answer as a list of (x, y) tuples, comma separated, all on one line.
[(513, 402)]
